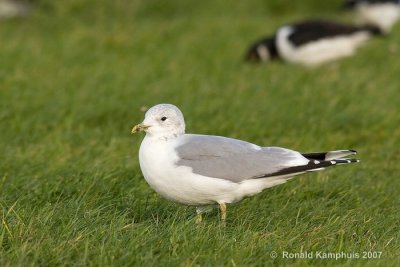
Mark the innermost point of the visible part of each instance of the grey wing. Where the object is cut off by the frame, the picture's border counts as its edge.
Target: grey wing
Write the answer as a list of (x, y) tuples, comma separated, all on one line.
[(232, 159)]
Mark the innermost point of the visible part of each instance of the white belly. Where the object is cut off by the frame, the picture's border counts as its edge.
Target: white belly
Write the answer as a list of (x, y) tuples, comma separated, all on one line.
[(320, 51), (384, 15), (179, 184), (157, 160)]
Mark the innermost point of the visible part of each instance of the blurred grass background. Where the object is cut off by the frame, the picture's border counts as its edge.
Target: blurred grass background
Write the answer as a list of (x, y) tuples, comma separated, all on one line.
[(76, 75)]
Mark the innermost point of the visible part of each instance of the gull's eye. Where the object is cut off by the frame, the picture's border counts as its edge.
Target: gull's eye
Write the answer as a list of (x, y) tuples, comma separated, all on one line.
[(163, 118)]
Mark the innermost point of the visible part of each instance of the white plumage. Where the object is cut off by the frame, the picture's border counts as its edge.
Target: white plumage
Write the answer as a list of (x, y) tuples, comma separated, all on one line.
[(383, 14), (319, 51)]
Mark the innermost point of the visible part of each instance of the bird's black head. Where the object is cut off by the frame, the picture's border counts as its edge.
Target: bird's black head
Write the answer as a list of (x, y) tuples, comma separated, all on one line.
[(262, 50)]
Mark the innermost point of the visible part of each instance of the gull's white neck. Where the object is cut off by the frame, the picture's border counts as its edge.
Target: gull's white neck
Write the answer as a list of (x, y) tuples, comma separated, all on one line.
[(163, 136)]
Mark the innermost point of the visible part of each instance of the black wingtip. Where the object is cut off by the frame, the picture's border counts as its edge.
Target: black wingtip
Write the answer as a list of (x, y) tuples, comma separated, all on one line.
[(313, 165)]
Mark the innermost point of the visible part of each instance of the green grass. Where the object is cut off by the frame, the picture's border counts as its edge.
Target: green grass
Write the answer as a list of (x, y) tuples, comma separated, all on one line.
[(74, 78)]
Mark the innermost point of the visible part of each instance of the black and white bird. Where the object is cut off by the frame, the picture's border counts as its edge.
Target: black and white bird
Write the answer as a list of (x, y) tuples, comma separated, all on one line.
[(382, 13), (203, 170), (311, 42)]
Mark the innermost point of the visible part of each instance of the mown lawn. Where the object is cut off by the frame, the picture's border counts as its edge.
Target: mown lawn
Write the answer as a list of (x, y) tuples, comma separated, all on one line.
[(75, 76)]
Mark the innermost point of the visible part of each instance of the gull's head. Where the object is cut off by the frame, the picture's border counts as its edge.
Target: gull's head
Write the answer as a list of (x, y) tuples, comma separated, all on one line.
[(163, 120)]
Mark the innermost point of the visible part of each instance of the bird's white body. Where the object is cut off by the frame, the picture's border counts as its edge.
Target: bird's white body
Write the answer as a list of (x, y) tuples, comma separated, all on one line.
[(320, 51), (383, 15), (157, 159)]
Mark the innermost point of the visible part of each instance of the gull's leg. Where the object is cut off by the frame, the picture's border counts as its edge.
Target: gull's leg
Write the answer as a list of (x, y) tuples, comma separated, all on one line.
[(200, 210), (199, 217), (222, 208)]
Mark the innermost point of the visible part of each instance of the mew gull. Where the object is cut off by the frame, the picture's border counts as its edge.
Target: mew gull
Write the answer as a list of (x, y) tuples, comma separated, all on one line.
[(202, 170)]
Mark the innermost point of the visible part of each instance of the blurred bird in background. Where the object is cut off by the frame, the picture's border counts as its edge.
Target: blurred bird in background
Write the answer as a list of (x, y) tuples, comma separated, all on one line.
[(382, 13), (12, 8), (311, 42)]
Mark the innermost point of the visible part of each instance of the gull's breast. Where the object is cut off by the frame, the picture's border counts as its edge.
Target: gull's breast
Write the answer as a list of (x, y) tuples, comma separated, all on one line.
[(178, 183)]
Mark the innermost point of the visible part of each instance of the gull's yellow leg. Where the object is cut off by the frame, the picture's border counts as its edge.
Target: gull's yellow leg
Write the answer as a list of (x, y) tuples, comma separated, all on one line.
[(199, 211), (199, 218), (222, 208)]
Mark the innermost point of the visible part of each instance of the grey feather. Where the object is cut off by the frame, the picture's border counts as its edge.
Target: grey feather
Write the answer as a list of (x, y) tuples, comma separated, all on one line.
[(232, 159)]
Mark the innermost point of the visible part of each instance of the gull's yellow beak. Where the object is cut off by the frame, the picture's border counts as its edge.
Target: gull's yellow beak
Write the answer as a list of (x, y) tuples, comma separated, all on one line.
[(140, 127)]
